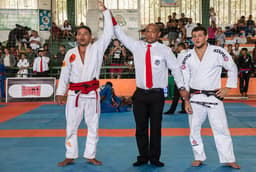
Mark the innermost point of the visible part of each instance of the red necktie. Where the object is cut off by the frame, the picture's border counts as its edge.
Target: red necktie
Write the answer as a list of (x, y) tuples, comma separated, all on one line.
[(149, 82), (41, 65)]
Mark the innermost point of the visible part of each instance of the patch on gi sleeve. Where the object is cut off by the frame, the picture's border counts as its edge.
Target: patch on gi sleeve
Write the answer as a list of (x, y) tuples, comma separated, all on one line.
[(183, 67), (225, 58), (64, 64), (72, 58)]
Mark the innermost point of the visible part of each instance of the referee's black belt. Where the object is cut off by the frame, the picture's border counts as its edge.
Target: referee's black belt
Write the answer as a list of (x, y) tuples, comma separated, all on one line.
[(148, 91), (206, 92)]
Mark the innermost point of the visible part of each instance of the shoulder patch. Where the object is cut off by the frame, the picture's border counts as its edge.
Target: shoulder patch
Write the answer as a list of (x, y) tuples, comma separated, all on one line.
[(64, 64), (72, 58), (222, 53)]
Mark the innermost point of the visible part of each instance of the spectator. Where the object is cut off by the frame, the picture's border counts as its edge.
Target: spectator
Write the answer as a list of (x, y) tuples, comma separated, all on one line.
[(235, 30), (189, 27), (41, 64), (254, 55), (59, 57), (46, 50), (23, 66), (24, 43), (241, 23), (181, 48), (183, 19), (130, 63), (220, 36), (2, 79), (212, 15), (236, 51), (161, 26), (66, 30), (30, 56), (230, 51), (118, 53), (250, 25), (55, 30), (34, 41), (245, 69), (211, 33), (172, 30), (7, 59), (181, 32)]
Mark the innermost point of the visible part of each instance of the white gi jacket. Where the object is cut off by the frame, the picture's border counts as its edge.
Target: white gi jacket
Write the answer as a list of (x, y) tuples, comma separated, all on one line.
[(37, 64), (23, 64), (74, 71), (206, 74)]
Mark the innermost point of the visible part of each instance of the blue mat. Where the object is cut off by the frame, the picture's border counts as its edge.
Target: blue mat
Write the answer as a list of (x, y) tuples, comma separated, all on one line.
[(117, 155), (52, 116)]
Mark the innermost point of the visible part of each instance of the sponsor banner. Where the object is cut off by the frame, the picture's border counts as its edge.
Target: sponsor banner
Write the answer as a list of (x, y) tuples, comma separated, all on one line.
[(169, 3), (30, 89), (44, 20)]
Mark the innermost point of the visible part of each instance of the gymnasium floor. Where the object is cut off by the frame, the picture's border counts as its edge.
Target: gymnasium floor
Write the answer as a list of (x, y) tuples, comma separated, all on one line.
[(32, 140)]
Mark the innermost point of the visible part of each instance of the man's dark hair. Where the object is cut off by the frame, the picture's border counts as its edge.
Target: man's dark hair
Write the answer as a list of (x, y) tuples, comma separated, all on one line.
[(244, 49), (200, 28), (182, 44), (109, 83), (84, 27)]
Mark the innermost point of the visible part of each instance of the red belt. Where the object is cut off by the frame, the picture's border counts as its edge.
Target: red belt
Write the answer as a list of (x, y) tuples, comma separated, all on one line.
[(85, 88)]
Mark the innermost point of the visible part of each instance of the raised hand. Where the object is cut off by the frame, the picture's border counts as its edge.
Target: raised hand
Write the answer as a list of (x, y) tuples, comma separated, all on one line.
[(102, 6)]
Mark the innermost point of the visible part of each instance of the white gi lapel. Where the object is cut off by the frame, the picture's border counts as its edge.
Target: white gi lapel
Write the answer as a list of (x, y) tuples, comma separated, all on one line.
[(87, 65)]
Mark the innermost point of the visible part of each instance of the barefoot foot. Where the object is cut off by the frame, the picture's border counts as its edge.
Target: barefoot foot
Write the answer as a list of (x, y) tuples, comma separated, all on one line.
[(94, 161), (66, 162), (233, 165), (197, 163)]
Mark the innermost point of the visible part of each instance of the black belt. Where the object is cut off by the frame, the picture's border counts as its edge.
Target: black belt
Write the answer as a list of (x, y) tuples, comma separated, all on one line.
[(152, 90), (206, 92)]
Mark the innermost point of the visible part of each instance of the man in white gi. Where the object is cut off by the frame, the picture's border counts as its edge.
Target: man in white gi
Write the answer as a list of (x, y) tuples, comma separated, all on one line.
[(201, 69), (81, 69), (152, 61)]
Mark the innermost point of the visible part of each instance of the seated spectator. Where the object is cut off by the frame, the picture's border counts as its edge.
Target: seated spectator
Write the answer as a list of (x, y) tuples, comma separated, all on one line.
[(241, 23), (117, 53), (235, 30), (251, 25), (111, 103), (183, 19), (55, 30), (220, 36), (41, 64), (212, 15), (23, 66), (66, 30), (24, 43), (34, 41)]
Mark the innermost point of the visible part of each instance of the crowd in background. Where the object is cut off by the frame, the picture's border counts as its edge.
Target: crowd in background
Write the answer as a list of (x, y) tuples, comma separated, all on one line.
[(25, 56)]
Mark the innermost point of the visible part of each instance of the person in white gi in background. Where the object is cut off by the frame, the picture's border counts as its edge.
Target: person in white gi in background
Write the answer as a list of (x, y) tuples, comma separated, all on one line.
[(201, 69), (82, 65), (23, 66)]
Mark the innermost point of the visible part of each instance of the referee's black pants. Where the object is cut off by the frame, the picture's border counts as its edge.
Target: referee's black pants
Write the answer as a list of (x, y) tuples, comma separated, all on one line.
[(148, 108)]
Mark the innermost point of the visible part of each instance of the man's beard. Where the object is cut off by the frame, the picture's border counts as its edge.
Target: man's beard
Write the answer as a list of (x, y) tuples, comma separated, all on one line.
[(200, 46)]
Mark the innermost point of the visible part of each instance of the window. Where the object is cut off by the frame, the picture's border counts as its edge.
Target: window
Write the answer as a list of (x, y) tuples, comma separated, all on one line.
[(81, 8), (18, 4), (61, 11)]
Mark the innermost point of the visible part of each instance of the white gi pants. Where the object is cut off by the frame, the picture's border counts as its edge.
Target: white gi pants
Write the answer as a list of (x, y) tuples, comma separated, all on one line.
[(218, 121), (74, 115)]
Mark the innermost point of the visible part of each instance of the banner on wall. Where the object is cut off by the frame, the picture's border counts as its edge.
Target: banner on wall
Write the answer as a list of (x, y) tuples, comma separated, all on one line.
[(45, 20), (10, 17), (169, 3), (30, 89)]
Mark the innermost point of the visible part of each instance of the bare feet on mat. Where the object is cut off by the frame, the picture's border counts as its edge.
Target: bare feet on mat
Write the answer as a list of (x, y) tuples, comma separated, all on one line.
[(196, 163), (94, 161), (233, 165), (66, 162)]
